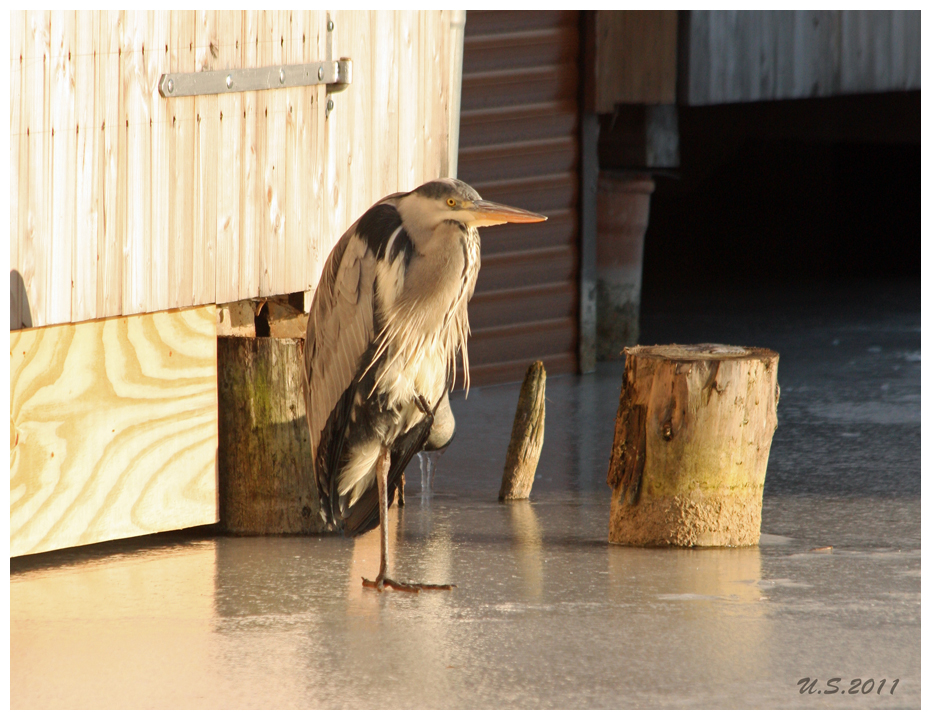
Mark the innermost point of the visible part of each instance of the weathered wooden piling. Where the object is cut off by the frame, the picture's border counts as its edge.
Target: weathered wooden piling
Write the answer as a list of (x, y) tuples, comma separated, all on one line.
[(691, 444), (266, 482), (520, 465)]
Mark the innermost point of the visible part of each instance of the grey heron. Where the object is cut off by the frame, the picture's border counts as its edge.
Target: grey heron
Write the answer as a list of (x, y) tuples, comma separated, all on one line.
[(387, 322)]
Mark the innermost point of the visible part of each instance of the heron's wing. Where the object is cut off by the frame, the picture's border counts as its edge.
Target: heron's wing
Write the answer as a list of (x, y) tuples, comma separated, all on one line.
[(339, 332)]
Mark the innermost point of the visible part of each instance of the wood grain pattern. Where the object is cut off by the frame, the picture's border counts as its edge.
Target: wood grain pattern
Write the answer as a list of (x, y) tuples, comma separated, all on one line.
[(157, 59), (520, 463), (206, 167), (265, 476), (229, 35), (113, 175), (250, 190), (295, 168), (18, 192), (134, 126), (274, 168), (181, 169), (62, 164), (113, 429), (739, 56), (635, 59), (410, 151), (692, 437), (34, 244), (87, 181), (138, 203)]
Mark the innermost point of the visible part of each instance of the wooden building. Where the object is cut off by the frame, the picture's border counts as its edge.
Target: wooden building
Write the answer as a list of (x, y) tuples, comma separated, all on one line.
[(133, 216), (142, 225)]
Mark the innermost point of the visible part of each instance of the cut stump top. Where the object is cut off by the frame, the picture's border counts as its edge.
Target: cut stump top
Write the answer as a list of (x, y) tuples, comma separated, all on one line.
[(705, 351)]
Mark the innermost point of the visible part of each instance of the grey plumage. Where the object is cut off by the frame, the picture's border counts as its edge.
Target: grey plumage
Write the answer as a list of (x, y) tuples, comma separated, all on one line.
[(388, 320)]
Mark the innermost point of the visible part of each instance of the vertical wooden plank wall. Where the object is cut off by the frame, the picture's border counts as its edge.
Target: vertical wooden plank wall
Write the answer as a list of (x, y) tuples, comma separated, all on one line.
[(123, 202), (739, 56), (87, 123), (635, 58), (62, 161), (113, 176), (230, 108), (18, 196), (180, 207)]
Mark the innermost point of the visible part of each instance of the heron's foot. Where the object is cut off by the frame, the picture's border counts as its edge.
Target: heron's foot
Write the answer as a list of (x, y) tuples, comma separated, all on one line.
[(380, 583)]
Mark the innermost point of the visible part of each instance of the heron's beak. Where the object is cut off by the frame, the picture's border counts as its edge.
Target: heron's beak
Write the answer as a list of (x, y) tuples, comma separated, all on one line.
[(490, 213)]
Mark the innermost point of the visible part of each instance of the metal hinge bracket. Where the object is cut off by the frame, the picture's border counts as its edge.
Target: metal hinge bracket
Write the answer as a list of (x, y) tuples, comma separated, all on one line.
[(335, 74)]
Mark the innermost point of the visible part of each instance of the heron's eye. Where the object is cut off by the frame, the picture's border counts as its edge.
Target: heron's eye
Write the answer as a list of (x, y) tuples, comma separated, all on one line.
[(451, 202)]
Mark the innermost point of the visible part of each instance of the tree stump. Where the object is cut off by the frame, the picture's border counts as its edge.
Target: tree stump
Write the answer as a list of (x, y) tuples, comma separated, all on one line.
[(691, 444), (520, 465), (265, 472)]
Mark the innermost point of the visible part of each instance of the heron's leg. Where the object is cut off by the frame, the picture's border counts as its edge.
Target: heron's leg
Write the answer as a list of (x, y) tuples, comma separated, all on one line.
[(382, 466)]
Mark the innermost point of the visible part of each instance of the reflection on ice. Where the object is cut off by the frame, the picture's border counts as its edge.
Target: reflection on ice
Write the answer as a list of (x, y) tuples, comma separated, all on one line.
[(428, 460)]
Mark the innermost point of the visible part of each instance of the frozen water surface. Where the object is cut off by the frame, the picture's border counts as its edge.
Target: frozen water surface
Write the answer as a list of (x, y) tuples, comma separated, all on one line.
[(546, 614)]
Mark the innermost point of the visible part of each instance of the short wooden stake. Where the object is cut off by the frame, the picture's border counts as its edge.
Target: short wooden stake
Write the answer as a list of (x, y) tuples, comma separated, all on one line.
[(520, 465), (691, 445), (266, 481)]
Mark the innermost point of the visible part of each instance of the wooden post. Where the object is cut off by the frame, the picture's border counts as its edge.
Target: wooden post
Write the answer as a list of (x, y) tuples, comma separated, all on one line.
[(266, 482), (691, 444), (623, 215), (520, 465)]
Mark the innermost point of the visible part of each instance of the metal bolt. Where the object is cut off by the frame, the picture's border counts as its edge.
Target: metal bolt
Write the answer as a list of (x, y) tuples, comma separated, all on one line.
[(229, 81), (281, 76), (329, 106), (171, 85), (320, 73), (329, 26)]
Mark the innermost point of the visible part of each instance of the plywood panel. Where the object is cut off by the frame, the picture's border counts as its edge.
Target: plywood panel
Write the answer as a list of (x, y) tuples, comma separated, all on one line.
[(113, 429)]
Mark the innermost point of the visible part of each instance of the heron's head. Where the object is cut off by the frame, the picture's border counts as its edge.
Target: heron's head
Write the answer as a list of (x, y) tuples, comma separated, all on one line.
[(449, 199)]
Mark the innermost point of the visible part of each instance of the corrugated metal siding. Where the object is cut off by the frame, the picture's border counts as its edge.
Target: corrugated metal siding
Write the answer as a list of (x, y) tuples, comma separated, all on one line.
[(519, 145)]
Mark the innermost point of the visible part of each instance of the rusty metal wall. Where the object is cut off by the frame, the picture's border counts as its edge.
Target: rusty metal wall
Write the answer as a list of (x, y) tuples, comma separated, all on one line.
[(519, 144)]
